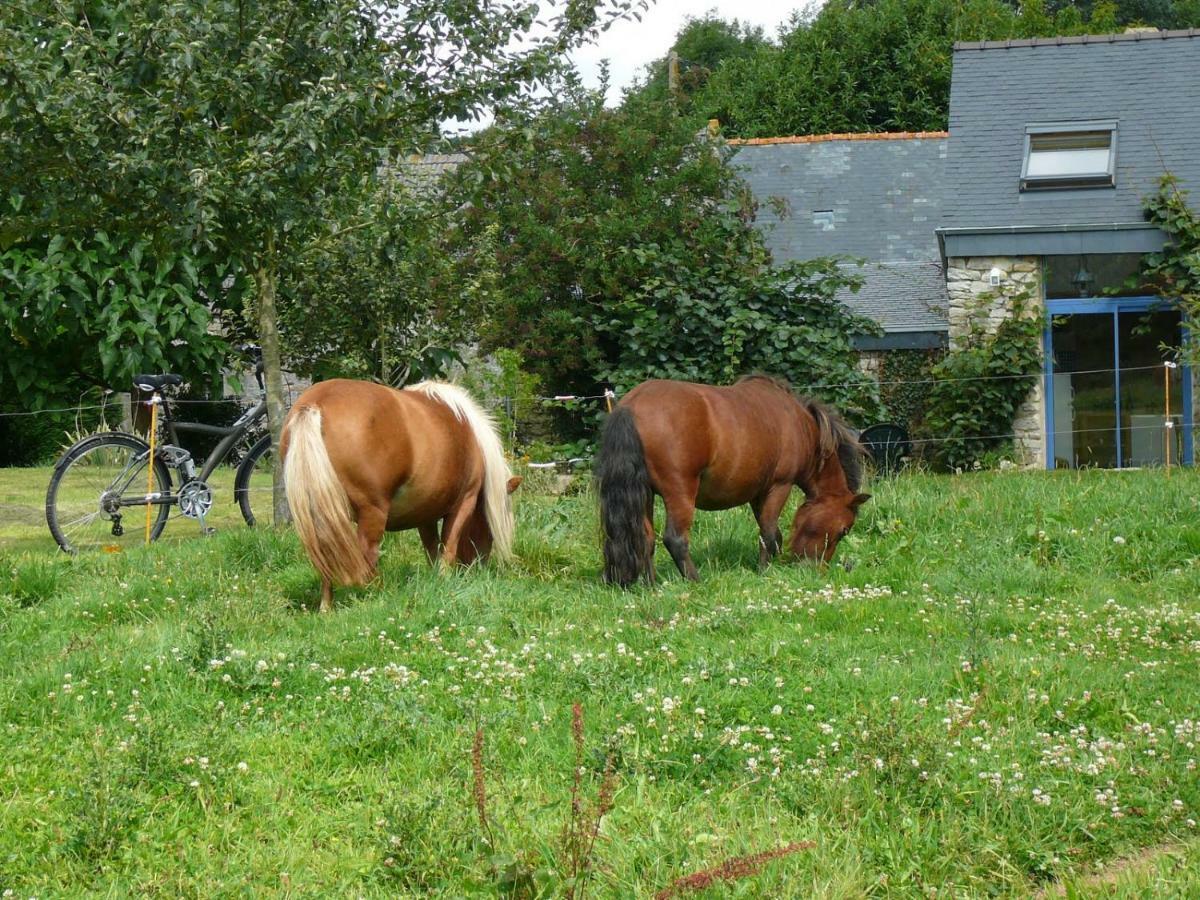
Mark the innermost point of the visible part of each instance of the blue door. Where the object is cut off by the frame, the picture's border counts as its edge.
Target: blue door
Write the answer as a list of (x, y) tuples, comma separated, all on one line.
[(1108, 390)]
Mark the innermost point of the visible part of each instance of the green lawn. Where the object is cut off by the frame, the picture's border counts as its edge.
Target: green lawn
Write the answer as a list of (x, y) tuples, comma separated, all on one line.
[(996, 691)]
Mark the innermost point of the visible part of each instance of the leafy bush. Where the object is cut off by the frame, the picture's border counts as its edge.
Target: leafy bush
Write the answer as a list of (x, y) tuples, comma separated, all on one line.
[(981, 384), (625, 248), (31, 440), (722, 318)]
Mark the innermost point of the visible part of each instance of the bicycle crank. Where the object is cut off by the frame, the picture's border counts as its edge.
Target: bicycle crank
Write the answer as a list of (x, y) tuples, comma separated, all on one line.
[(195, 500)]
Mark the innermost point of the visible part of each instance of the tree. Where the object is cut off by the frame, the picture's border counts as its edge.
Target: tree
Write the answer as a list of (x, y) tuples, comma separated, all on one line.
[(702, 44), (242, 125), (384, 301), (626, 249), (860, 66)]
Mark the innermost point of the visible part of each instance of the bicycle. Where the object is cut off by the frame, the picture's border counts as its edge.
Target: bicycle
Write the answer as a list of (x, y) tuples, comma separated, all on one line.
[(100, 478)]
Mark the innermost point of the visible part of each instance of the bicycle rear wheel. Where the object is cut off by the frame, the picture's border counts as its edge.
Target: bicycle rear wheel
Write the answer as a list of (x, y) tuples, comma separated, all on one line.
[(253, 485), (87, 503)]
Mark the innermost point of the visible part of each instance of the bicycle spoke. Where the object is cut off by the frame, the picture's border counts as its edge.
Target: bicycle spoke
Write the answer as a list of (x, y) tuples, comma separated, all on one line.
[(88, 505)]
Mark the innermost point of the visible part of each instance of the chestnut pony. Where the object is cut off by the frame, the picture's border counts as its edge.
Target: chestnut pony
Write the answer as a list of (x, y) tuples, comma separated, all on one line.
[(705, 447), (360, 458)]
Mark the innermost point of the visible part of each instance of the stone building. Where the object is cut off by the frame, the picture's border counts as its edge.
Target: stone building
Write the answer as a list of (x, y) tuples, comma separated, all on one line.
[(1034, 200), (875, 198), (1054, 146)]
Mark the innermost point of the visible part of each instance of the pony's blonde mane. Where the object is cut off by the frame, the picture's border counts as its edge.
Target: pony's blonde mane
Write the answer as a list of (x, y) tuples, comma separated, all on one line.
[(496, 472)]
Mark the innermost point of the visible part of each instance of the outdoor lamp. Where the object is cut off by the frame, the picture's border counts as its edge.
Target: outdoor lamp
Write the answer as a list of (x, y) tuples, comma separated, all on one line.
[(1083, 278)]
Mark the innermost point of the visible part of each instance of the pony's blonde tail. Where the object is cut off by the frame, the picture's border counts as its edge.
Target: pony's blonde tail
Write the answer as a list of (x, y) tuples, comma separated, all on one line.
[(494, 496), (320, 507)]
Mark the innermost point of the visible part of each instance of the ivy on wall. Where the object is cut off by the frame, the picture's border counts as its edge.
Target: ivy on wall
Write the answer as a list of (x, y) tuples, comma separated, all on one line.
[(980, 385), (1174, 271), (904, 381)]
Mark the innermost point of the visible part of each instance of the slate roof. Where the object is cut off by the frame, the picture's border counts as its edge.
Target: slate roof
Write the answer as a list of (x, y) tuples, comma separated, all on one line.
[(901, 296), (1148, 82), (881, 195)]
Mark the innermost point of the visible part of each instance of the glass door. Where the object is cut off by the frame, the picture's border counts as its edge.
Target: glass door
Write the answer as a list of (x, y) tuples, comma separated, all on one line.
[(1084, 385), (1145, 438), (1107, 388)]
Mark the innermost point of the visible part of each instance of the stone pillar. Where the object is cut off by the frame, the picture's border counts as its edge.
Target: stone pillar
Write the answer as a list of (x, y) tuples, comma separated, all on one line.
[(870, 363), (981, 291)]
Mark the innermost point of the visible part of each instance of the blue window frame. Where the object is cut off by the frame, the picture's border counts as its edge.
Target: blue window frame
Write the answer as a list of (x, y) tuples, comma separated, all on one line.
[(1112, 307)]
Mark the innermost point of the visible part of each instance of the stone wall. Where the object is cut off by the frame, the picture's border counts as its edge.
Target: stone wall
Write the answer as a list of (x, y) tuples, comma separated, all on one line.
[(870, 363), (975, 301)]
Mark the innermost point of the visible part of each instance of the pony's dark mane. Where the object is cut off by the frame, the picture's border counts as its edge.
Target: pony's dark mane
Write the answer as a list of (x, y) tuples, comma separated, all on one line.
[(836, 435), (845, 441)]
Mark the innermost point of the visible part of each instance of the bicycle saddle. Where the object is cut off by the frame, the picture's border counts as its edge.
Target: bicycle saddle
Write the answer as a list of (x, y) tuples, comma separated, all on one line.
[(156, 382)]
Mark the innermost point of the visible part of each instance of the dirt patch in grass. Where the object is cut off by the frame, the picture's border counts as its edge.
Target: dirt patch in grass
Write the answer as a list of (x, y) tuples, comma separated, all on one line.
[(1137, 870)]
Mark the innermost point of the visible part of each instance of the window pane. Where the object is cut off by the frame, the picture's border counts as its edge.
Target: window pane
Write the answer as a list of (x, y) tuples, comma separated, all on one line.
[(1071, 140), (1072, 153), (1085, 412)]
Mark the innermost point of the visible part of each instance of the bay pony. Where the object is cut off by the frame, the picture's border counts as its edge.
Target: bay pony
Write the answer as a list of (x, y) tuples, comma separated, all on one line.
[(704, 447)]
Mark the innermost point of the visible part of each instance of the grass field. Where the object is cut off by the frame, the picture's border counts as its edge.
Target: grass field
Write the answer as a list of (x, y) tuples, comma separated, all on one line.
[(995, 692)]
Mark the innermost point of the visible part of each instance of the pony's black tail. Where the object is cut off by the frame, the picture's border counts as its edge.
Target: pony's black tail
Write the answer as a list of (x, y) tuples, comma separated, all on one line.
[(624, 487)]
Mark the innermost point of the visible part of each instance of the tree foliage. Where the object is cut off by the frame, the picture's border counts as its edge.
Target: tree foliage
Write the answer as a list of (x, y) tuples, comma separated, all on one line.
[(702, 44), (384, 301), (93, 311), (884, 65), (625, 248), (241, 126)]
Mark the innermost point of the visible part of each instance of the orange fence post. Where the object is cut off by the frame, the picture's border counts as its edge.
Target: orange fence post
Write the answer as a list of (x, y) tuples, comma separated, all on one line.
[(150, 461)]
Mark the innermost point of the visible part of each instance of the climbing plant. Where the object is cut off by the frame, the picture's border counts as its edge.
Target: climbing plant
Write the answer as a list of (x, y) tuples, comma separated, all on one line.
[(980, 384), (904, 379), (1175, 270)]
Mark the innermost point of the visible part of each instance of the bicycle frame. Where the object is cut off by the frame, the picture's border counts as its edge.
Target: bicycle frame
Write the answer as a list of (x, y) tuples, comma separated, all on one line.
[(229, 435)]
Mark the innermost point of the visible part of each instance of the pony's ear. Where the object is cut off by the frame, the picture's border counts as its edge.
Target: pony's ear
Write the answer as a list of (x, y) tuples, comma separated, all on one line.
[(859, 500), (514, 483)]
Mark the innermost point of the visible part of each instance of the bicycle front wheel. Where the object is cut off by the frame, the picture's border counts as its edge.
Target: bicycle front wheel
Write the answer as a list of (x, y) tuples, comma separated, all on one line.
[(97, 495), (254, 483)]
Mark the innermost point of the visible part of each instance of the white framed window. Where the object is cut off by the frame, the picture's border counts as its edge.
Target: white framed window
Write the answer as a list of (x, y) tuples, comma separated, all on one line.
[(1069, 155)]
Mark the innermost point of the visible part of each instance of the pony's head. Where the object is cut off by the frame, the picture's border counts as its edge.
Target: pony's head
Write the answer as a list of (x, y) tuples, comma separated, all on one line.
[(821, 523), (833, 501), (476, 543)]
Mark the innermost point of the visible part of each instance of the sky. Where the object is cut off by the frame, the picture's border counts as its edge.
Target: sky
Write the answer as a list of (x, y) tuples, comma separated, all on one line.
[(629, 45)]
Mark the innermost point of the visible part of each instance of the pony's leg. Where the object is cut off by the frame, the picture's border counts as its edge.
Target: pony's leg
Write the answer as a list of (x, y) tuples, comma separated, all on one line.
[(680, 501), (326, 595), (429, 540), (372, 522), (767, 508), (452, 528)]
